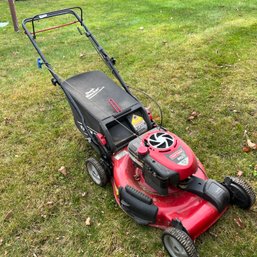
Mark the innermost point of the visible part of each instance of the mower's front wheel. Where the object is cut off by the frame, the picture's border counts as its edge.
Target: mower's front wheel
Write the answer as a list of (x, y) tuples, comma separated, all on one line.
[(96, 172), (178, 243), (241, 192)]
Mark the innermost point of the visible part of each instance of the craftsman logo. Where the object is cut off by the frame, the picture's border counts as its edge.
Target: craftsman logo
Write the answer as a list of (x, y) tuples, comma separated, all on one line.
[(179, 157), (176, 154), (93, 92)]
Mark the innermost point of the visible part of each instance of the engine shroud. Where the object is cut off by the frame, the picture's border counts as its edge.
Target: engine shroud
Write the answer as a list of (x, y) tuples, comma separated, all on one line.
[(164, 158)]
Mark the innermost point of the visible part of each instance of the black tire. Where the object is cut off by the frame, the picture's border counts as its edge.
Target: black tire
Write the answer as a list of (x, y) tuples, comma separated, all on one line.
[(241, 192), (96, 172), (178, 243)]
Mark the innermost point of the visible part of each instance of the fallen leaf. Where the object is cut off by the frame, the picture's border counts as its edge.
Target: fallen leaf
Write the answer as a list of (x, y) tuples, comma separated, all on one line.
[(88, 221), (7, 121), (251, 144), (239, 222), (157, 118), (213, 234), (193, 115), (63, 170), (8, 215), (239, 173), (246, 149)]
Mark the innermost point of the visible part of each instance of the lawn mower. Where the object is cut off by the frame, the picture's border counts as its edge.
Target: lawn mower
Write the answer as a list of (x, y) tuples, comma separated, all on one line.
[(156, 178)]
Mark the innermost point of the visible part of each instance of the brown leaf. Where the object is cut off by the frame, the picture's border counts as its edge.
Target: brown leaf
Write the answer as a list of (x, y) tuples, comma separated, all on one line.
[(63, 171), (239, 222), (239, 173), (88, 221), (8, 215), (213, 234), (7, 121), (251, 144), (193, 115), (246, 149)]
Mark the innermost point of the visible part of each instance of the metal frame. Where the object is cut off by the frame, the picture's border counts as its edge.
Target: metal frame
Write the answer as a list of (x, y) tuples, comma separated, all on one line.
[(110, 62)]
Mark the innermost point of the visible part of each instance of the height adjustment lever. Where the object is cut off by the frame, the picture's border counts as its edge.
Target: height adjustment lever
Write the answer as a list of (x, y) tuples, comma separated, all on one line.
[(54, 81), (113, 61)]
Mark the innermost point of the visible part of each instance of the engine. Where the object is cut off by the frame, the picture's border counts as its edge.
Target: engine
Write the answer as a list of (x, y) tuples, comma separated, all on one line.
[(163, 157)]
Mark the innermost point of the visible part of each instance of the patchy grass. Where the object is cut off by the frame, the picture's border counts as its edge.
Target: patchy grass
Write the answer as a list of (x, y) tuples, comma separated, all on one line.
[(190, 55)]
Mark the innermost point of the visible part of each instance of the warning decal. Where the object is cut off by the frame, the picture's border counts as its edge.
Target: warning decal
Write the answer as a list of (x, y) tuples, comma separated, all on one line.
[(180, 157), (138, 123)]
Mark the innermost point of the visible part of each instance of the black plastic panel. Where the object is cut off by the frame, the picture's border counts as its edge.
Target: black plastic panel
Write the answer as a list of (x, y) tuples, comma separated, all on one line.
[(210, 190), (138, 208)]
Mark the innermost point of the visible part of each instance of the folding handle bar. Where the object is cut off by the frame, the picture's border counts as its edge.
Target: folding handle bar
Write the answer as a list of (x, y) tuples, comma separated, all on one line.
[(108, 61), (50, 15)]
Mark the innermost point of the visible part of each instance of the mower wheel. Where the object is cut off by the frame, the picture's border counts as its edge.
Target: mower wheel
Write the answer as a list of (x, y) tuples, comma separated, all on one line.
[(178, 243), (241, 192), (96, 172)]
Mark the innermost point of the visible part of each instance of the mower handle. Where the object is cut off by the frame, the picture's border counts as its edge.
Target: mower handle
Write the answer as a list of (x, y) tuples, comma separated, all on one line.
[(110, 62), (50, 15)]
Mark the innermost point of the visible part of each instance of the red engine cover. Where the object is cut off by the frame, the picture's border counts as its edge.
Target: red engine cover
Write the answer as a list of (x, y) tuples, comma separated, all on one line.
[(170, 151)]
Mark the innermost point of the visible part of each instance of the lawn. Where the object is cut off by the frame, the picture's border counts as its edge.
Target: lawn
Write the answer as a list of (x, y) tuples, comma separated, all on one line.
[(189, 55)]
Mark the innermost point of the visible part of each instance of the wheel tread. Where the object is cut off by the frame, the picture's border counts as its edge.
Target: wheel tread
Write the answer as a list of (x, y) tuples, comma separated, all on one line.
[(102, 173), (184, 239), (245, 186)]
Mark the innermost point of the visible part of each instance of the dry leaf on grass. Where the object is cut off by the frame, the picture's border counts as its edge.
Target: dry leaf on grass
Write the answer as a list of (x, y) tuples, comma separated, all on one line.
[(213, 234), (63, 170), (250, 144), (88, 221), (193, 115), (246, 149), (8, 215), (239, 173), (239, 222)]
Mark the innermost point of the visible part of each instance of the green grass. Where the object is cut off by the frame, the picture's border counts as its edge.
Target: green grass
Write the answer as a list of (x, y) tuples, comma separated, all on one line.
[(191, 56)]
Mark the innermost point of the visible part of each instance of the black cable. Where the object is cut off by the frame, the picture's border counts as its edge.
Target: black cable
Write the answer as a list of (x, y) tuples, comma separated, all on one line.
[(142, 91)]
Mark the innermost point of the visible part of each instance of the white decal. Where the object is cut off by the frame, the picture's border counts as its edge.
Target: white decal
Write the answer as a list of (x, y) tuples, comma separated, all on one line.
[(93, 92), (121, 154), (42, 16)]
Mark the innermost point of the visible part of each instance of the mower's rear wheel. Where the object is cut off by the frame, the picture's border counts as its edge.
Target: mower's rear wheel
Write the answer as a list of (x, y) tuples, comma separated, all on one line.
[(178, 243), (241, 192), (96, 172)]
